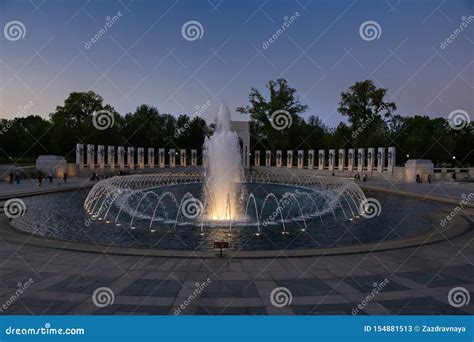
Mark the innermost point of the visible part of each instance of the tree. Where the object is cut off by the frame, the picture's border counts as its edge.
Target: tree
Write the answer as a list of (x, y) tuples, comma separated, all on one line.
[(367, 110), (282, 98), (75, 122)]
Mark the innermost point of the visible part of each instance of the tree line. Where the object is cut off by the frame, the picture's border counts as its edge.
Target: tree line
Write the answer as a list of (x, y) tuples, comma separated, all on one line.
[(276, 122)]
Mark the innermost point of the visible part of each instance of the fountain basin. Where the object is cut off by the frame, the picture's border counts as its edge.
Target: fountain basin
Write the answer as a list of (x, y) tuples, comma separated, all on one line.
[(324, 214)]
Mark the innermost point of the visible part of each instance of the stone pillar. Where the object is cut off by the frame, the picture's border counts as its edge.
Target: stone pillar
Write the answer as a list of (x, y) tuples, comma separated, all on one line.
[(257, 158), (391, 157), (421, 167), (381, 159), (111, 158), (289, 159), (121, 157), (310, 159), (151, 158), (332, 160), (80, 157), (342, 159), (370, 159), (279, 158), (300, 159), (101, 157), (360, 160), (350, 160), (131, 158), (268, 158), (172, 157), (194, 157), (321, 159), (141, 158), (90, 157), (161, 157), (182, 157)]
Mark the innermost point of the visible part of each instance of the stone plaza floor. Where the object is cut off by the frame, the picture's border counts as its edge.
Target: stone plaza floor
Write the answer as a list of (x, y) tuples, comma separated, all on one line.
[(418, 281)]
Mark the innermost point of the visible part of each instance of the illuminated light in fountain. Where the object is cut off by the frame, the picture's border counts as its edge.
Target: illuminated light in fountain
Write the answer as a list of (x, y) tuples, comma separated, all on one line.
[(223, 170)]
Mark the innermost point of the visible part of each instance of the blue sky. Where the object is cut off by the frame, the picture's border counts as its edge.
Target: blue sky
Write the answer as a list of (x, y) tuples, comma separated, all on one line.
[(143, 57)]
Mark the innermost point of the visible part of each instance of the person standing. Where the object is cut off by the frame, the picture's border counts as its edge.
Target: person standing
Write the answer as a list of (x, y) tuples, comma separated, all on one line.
[(40, 179), (17, 177), (11, 177), (50, 176), (64, 177)]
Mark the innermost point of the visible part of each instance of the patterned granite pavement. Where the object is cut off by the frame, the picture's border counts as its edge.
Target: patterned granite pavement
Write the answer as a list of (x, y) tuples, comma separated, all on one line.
[(63, 282)]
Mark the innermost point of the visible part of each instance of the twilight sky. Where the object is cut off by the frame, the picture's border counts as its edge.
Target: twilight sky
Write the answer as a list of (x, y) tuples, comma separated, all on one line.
[(143, 57)]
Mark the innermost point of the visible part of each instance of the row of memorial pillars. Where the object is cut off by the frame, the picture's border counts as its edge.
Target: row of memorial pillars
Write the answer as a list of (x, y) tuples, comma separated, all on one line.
[(115, 159), (350, 161)]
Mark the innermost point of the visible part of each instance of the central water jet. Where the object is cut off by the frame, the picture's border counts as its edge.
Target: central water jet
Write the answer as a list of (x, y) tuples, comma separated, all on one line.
[(222, 170)]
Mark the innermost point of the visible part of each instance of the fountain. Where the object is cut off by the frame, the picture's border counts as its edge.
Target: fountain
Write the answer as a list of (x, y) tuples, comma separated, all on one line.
[(224, 202), (222, 170)]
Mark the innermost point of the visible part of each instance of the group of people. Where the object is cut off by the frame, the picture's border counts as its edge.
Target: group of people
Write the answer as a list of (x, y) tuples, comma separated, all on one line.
[(357, 177), (50, 177), (419, 180), (16, 177)]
